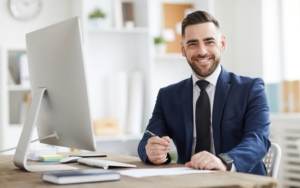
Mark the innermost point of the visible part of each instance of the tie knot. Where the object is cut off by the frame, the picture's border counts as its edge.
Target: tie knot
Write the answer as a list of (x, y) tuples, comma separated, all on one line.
[(202, 84)]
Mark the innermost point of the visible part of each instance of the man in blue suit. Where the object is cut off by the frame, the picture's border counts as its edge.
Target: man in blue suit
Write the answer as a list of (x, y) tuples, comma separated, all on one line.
[(223, 125)]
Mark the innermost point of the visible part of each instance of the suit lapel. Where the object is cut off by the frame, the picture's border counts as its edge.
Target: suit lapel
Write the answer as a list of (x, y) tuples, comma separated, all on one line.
[(222, 89), (187, 108)]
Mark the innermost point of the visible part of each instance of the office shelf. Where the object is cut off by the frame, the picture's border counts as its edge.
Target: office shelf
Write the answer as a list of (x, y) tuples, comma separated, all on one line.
[(136, 30), (169, 57), (18, 88), (124, 137), (12, 108)]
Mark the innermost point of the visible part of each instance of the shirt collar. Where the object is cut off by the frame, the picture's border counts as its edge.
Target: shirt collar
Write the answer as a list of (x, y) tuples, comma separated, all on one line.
[(212, 79)]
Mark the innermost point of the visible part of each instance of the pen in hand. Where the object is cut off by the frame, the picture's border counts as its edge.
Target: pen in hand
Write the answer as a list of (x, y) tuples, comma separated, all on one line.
[(149, 133)]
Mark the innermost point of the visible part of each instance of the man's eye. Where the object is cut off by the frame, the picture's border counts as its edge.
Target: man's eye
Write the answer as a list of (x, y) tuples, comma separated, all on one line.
[(192, 44), (210, 42)]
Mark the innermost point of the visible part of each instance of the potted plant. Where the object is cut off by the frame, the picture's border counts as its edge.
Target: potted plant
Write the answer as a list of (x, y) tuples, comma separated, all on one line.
[(160, 45), (96, 18)]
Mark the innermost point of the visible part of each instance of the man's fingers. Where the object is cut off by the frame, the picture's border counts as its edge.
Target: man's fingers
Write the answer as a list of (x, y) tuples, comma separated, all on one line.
[(157, 140), (166, 138), (206, 161), (158, 158), (158, 152), (157, 147), (210, 166), (160, 161), (198, 161), (188, 164)]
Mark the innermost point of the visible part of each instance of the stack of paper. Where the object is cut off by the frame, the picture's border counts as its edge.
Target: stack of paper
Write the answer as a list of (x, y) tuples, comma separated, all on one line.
[(50, 158), (140, 173)]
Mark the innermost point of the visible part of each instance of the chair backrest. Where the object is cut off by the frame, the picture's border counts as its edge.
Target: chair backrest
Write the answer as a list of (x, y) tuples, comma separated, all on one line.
[(272, 160)]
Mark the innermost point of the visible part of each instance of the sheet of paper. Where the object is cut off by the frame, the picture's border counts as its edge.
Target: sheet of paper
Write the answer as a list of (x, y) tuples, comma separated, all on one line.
[(139, 173)]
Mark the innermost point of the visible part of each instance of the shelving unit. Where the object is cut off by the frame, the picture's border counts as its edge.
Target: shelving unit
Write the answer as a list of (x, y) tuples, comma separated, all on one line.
[(112, 50), (12, 97)]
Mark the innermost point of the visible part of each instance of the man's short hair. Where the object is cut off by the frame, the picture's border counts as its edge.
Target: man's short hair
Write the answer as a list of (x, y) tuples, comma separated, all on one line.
[(198, 17)]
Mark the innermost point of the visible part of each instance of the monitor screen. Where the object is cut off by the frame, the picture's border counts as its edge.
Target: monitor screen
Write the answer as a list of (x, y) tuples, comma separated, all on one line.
[(60, 104), (56, 62)]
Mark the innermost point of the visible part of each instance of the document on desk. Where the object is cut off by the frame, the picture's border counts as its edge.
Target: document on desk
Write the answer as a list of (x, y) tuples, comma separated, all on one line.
[(148, 172)]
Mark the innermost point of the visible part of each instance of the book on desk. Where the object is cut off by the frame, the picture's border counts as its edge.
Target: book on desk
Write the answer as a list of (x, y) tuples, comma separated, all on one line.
[(105, 164), (82, 176)]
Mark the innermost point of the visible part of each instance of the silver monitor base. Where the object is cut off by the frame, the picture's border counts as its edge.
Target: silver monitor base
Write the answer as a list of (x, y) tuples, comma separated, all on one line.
[(20, 157), (39, 168)]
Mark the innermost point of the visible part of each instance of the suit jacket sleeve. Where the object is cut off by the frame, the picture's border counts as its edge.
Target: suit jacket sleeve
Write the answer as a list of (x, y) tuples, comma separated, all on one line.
[(255, 142), (157, 125)]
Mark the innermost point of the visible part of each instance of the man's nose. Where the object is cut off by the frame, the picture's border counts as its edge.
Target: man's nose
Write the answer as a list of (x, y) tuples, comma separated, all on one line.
[(202, 50)]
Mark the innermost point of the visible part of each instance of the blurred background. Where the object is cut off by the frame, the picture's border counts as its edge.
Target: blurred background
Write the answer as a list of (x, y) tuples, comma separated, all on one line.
[(135, 44)]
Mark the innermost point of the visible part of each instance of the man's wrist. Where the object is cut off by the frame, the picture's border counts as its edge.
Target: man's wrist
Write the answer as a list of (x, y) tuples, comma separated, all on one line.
[(224, 165), (227, 160)]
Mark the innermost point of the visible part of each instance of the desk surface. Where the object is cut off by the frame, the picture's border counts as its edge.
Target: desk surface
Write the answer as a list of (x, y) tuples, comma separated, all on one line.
[(11, 176)]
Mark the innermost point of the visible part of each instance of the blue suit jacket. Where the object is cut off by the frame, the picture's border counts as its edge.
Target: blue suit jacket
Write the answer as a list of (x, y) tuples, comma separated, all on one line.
[(240, 120)]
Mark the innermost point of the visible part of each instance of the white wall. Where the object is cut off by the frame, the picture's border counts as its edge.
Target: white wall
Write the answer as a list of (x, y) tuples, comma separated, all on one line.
[(13, 31), (241, 22), (224, 13), (291, 38), (272, 41)]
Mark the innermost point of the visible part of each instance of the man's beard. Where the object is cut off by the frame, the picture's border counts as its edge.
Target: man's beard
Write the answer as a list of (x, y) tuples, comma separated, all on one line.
[(201, 73)]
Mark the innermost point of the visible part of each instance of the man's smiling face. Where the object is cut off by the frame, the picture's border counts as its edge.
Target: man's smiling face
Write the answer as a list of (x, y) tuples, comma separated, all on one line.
[(202, 46)]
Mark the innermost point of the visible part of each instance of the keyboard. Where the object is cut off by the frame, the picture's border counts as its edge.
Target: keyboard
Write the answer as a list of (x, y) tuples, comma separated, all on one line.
[(105, 164)]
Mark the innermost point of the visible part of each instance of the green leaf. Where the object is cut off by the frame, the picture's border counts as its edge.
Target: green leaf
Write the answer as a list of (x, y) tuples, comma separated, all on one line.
[(159, 40), (97, 13)]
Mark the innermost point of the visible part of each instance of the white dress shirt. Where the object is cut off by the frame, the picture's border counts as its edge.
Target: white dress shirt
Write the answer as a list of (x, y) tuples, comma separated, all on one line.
[(210, 89)]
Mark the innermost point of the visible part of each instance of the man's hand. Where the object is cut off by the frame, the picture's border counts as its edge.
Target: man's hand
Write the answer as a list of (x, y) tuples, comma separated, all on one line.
[(206, 161), (157, 149)]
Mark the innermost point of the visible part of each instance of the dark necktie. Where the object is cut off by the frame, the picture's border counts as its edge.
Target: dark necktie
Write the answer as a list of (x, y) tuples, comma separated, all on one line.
[(203, 119)]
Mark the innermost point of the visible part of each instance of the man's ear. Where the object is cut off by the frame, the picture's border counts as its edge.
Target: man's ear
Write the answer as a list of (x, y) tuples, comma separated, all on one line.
[(223, 43), (182, 49)]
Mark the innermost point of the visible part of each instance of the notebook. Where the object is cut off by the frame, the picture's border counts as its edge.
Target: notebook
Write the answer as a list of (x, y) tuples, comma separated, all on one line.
[(105, 164), (82, 176)]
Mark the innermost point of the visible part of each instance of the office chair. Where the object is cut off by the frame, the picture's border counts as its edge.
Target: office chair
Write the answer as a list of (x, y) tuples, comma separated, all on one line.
[(272, 160)]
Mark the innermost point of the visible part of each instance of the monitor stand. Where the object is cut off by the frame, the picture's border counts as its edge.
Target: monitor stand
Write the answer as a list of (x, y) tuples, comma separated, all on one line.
[(20, 157)]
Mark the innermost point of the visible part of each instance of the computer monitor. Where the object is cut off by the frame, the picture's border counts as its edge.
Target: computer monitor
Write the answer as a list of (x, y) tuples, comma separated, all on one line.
[(60, 101)]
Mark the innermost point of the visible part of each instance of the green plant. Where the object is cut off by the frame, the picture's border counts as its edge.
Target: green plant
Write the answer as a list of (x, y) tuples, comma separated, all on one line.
[(159, 40), (97, 13)]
